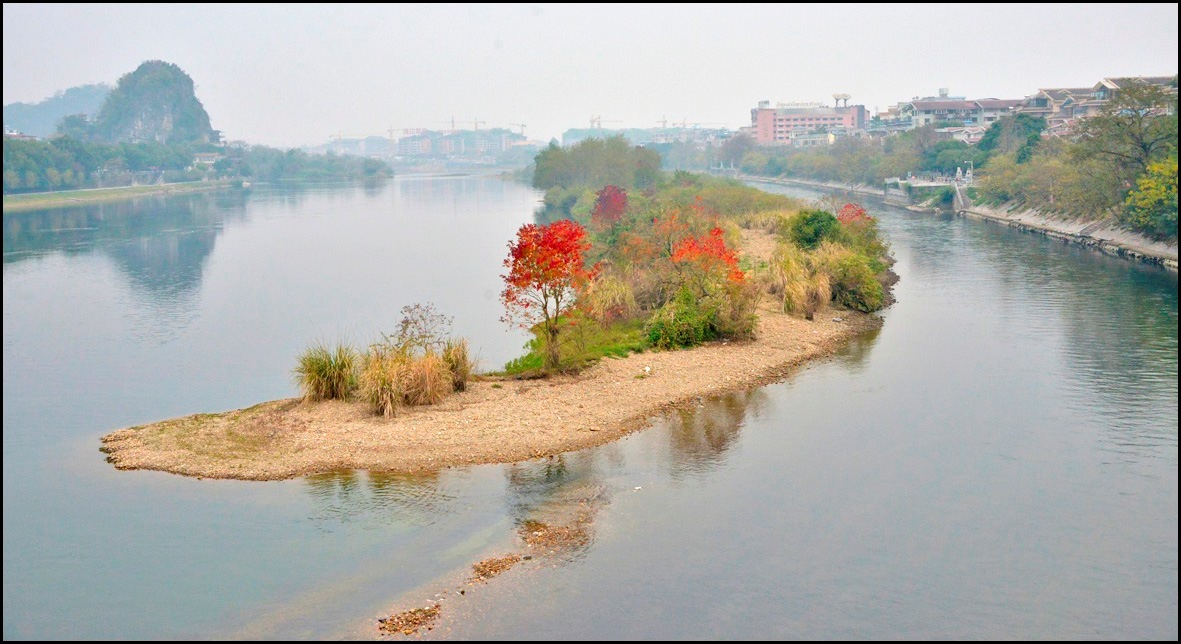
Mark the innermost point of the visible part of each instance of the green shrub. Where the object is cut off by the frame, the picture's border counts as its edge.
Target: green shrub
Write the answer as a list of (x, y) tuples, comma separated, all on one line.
[(682, 322), (854, 282), (734, 308), (530, 363), (812, 227), (585, 342), (325, 374)]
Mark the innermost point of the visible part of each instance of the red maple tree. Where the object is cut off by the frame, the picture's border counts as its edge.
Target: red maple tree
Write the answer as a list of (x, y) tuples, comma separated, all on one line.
[(610, 204), (709, 256), (852, 213), (546, 273)]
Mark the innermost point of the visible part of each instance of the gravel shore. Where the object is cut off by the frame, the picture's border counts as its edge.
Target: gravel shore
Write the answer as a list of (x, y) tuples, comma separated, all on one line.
[(493, 421)]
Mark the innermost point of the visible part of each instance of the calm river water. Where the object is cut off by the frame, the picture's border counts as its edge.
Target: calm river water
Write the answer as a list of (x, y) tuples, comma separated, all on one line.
[(999, 461)]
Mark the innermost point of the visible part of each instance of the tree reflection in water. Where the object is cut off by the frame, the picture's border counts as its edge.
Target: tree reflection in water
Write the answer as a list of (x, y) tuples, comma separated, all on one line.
[(699, 438), (377, 498)]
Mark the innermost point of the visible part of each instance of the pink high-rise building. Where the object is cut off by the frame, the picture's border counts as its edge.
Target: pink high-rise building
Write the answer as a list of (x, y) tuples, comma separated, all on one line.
[(776, 125)]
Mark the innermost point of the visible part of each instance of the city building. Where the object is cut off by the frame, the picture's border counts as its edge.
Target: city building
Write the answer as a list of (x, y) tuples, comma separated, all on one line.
[(786, 122), (934, 109), (687, 133), (1062, 107)]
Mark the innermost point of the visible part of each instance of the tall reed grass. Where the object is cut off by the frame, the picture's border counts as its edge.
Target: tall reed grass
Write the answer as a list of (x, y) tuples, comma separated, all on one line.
[(393, 377), (459, 362), (324, 373)]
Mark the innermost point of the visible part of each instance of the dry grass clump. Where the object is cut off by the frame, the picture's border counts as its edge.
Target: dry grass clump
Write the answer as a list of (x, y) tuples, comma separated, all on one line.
[(771, 221), (381, 379), (610, 297), (420, 365), (325, 374), (854, 283), (426, 380), (459, 362), (393, 378), (804, 287)]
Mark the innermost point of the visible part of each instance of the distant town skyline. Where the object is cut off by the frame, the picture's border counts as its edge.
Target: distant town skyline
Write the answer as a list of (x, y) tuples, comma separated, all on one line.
[(294, 75)]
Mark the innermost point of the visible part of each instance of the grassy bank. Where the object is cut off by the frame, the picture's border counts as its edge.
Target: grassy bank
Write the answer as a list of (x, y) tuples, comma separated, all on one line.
[(37, 200)]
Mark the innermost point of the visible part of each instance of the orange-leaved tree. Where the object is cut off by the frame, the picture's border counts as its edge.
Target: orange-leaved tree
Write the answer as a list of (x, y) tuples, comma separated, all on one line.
[(547, 270), (706, 261)]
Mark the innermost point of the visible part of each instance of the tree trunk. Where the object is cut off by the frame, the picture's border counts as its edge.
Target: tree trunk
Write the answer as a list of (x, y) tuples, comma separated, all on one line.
[(551, 346)]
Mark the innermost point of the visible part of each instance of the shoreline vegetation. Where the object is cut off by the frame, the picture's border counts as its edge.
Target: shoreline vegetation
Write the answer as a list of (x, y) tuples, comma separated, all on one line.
[(638, 300), (38, 200), (1108, 181), (1103, 235)]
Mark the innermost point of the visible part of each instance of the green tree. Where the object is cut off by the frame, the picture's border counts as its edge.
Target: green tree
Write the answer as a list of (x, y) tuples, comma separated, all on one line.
[(734, 149), (594, 163), (1137, 127), (1017, 134), (1152, 206)]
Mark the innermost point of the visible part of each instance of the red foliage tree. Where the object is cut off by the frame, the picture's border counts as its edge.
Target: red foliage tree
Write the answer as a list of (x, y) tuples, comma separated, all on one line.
[(708, 256), (546, 273), (610, 204), (852, 213)]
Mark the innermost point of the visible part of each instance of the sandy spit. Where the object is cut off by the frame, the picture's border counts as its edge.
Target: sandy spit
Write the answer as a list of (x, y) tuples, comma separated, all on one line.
[(493, 421)]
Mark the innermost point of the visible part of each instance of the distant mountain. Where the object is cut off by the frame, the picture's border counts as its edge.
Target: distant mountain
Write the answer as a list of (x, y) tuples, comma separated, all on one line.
[(155, 103), (40, 119)]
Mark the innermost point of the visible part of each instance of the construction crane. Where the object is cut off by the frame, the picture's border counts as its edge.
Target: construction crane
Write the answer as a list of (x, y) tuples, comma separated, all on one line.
[(597, 122), (520, 125), (663, 122), (478, 123)]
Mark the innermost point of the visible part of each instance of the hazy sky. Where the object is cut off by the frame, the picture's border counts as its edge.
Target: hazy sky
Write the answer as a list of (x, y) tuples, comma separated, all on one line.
[(294, 74)]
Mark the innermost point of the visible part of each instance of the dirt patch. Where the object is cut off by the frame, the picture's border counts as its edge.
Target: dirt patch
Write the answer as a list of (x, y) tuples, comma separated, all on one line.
[(489, 568), (408, 622), (550, 538), (758, 245)]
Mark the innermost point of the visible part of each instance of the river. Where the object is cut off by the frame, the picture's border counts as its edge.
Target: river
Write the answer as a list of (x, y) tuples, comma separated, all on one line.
[(998, 461)]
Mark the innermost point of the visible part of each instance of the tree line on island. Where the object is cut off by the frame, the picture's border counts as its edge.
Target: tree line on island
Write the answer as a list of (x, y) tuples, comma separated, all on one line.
[(627, 258)]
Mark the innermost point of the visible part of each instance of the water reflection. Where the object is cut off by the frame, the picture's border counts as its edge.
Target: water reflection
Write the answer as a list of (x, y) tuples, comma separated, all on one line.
[(553, 502), (1107, 318), (376, 499), (855, 354), (160, 243), (700, 438)]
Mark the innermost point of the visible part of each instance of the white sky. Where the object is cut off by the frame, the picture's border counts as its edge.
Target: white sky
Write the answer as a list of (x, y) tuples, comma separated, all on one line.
[(294, 74)]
